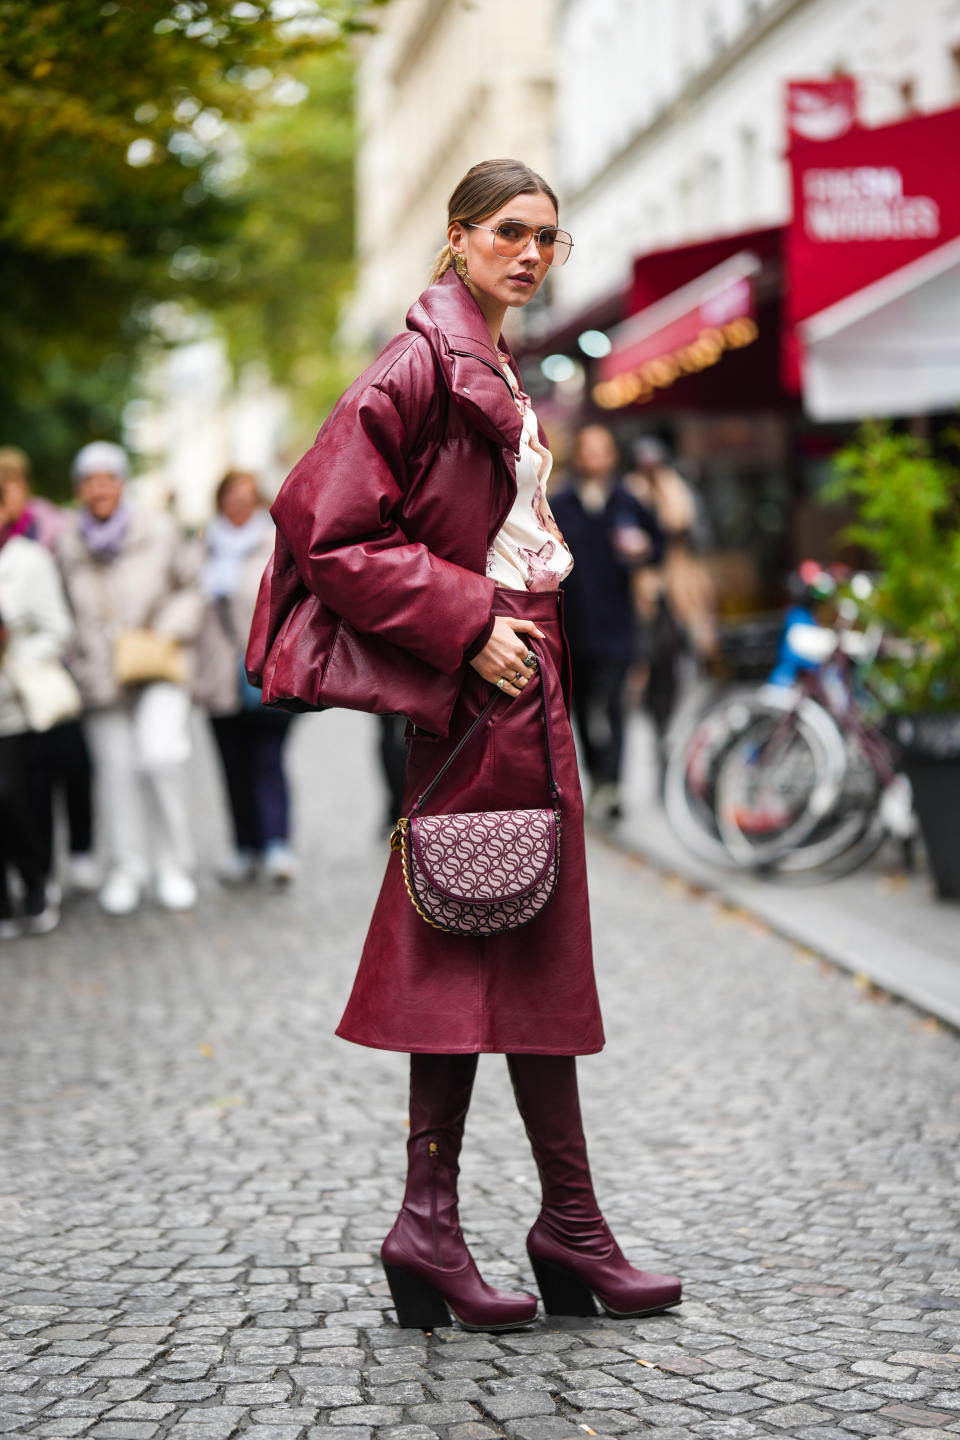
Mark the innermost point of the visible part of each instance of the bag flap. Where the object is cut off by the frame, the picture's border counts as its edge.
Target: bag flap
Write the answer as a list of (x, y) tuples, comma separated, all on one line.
[(485, 857)]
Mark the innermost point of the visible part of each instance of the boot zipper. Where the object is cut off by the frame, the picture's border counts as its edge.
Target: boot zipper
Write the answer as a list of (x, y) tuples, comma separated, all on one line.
[(433, 1151)]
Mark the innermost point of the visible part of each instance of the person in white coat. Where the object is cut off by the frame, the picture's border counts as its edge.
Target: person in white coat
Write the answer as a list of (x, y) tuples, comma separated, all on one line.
[(132, 578), (35, 627)]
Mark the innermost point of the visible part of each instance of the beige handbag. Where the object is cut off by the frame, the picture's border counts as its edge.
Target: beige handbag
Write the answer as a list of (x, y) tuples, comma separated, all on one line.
[(46, 692), (141, 657)]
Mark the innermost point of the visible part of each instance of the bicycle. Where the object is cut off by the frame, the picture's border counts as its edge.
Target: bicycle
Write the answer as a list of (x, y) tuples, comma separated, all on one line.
[(795, 780)]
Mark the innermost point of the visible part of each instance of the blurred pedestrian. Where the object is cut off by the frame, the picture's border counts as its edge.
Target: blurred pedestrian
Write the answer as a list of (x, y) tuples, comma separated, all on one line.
[(60, 759), (612, 535), (250, 738), (392, 750), (420, 518), (133, 582), (676, 597), (35, 627)]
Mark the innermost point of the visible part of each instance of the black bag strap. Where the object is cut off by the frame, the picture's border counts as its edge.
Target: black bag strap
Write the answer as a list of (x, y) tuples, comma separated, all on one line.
[(481, 720)]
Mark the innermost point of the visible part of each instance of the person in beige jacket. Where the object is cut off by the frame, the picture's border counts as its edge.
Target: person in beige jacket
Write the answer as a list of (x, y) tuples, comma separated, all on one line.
[(132, 576), (250, 739)]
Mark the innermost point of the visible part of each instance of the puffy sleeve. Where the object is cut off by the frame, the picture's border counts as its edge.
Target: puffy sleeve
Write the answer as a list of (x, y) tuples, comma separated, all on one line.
[(340, 512)]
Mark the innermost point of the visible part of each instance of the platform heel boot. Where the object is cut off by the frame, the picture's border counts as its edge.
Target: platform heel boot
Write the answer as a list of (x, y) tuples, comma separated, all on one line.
[(574, 1256), (429, 1269)]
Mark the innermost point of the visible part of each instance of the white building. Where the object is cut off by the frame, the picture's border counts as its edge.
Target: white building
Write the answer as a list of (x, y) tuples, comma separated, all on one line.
[(442, 85), (670, 113), (195, 421)]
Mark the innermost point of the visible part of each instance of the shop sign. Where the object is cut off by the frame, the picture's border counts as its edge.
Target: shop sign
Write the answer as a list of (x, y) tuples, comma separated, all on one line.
[(869, 203), (821, 109), (866, 204)]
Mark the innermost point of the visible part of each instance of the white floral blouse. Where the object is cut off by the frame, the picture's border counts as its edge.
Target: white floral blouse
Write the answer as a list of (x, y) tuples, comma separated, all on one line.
[(528, 552)]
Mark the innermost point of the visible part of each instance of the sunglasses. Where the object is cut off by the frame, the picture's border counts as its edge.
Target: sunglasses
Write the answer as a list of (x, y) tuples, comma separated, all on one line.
[(511, 238)]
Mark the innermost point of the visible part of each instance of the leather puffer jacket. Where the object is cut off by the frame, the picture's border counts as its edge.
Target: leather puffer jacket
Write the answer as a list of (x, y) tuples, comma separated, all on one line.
[(377, 593)]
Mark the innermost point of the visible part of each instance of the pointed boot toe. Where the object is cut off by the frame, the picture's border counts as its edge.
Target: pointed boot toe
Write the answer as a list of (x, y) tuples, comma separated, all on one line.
[(572, 1280)]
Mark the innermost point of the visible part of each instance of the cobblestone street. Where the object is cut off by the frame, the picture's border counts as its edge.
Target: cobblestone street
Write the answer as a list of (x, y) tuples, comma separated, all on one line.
[(195, 1176)]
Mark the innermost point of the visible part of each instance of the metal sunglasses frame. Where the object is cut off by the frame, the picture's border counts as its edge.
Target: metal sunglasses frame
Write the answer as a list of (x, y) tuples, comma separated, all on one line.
[(534, 235)]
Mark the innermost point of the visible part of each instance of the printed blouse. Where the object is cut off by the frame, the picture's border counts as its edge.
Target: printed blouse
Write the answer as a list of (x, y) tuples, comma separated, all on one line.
[(528, 552)]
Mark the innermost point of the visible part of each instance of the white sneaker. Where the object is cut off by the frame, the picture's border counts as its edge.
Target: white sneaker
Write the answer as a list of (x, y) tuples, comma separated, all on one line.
[(83, 873), (9, 928), (279, 863), (176, 890), (120, 894), (240, 869)]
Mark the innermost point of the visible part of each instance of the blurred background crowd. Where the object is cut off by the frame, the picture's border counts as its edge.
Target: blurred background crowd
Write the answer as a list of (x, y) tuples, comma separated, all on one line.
[(216, 211)]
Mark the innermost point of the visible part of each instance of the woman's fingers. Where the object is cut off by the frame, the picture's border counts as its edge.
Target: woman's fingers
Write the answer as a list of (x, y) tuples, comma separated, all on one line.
[(504, 657), (524, 627)]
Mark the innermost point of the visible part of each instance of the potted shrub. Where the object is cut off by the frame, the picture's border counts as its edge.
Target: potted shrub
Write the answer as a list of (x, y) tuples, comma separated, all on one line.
[(908, 507)]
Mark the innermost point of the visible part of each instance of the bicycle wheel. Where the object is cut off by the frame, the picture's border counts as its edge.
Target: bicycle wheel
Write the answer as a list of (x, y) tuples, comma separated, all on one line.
[(690, 776), (779, 783), (850, 835)]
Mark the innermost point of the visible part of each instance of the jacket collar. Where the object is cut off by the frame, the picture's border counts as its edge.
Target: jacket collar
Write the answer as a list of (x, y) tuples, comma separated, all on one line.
[(452, 321)]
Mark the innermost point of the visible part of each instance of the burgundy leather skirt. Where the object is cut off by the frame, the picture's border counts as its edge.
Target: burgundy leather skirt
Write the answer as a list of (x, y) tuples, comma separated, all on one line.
[(531, 990)]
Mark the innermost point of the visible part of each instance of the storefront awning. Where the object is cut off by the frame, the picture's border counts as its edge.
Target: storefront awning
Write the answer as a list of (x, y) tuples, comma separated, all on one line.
[(891, 348), (680, 334)]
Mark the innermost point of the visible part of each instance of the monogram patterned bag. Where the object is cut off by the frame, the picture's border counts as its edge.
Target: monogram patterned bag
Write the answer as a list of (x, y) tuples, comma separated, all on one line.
[(486, 872)]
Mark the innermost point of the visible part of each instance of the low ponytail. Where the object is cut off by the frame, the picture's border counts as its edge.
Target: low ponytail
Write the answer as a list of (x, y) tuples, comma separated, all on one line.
[(483, 190), (442, 263)]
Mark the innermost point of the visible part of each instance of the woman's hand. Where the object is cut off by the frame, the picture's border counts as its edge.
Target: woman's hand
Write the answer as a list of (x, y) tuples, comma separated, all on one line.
[(502, 658)]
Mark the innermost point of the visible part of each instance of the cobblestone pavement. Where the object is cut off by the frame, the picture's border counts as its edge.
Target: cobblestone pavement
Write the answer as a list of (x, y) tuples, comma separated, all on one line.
[(195, 1177)]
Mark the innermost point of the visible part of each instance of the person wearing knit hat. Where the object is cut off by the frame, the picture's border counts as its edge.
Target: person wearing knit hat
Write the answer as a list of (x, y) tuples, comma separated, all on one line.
[(100, 457), (133, 582)]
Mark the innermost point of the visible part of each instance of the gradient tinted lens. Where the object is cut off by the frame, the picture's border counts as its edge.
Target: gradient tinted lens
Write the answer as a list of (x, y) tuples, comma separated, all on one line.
[(510, 239)]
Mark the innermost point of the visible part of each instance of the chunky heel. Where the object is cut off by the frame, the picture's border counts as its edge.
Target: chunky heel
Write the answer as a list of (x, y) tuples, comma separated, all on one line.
[(418, 1305), (562, 1292)]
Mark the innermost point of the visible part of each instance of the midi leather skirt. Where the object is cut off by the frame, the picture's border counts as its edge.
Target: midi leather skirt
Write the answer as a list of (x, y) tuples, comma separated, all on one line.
[(530, 990)]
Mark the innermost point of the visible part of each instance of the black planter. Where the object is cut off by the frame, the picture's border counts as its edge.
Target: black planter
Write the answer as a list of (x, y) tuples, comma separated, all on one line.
[(930, 756)]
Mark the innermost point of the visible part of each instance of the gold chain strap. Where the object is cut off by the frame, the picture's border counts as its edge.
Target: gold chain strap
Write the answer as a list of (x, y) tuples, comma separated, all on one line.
[(400, 840)]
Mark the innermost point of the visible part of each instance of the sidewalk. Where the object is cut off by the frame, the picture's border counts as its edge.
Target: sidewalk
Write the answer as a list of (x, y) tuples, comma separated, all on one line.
[(886, 926)]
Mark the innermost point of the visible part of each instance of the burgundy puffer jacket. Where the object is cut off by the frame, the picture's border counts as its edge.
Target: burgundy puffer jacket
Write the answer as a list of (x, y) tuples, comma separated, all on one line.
[(376, 595)]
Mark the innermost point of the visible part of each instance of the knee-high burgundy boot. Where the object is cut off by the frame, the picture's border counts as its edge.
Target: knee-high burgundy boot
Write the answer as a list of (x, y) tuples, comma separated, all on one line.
[(574, 1256), (425, 1257)]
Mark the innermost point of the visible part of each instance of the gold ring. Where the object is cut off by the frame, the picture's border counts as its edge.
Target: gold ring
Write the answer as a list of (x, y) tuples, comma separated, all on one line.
[(500, 683)]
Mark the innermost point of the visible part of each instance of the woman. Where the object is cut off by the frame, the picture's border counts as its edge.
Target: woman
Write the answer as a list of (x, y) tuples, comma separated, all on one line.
[(132, 580), (60, 758), (250, 739), (420, 517), (35, 627), (676, 598)]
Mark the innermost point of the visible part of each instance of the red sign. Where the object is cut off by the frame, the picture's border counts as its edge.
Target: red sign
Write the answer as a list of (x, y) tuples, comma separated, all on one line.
[(866, 204), (821, 109)]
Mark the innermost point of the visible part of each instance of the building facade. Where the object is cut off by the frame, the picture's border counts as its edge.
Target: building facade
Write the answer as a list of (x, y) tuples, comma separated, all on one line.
[(670, 113), (442, 85), (675, 178)]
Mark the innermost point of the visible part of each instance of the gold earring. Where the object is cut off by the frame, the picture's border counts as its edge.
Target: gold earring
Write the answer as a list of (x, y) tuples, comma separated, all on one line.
[(460, 262)]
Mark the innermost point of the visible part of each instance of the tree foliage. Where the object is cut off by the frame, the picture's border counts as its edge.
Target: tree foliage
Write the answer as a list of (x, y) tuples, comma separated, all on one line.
[(290, 265), (120, 126)]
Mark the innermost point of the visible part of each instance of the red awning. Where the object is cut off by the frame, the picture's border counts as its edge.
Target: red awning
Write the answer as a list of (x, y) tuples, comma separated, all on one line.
[(682, 333)]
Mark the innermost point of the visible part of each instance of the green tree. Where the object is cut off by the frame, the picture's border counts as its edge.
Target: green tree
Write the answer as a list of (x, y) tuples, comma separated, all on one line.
[(290, 266), (119, 130)]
